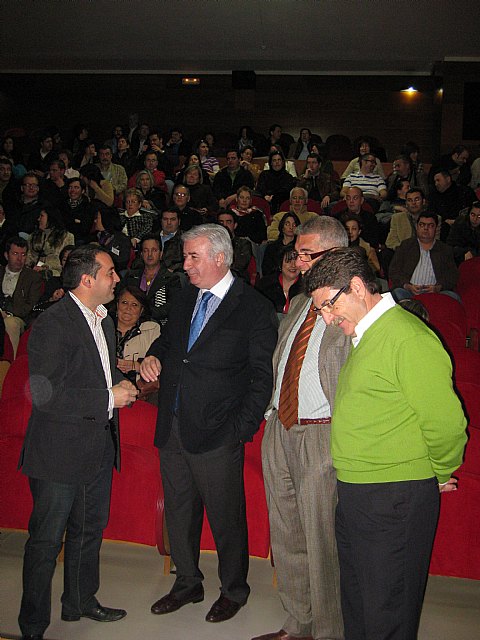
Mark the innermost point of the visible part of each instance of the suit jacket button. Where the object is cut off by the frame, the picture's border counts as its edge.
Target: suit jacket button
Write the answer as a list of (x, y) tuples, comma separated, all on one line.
[(107, 427)]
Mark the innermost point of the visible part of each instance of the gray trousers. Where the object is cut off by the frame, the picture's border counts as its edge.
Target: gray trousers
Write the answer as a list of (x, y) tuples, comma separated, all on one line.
[(301, 490)]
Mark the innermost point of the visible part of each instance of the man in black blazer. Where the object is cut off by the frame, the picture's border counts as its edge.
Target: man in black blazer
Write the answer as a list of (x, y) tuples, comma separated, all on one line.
[(215, 360), (72, 442)]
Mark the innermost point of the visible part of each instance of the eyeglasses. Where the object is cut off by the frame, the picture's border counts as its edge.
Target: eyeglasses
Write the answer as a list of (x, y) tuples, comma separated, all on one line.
[(308, 257), (327, 305), (179, 195)]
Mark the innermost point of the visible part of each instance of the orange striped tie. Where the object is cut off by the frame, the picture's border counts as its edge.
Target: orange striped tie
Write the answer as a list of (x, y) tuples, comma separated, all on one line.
[(288, 404)]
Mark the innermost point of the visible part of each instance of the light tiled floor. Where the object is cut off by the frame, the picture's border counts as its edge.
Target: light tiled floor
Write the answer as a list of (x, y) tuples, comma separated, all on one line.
[(132, 578)]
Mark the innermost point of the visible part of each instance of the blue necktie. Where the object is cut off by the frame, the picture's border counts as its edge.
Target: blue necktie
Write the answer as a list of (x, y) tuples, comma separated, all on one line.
[(197, 322)]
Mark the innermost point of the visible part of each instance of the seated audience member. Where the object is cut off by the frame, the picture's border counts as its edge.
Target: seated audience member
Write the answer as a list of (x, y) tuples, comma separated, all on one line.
[(136, 224), (274, 139), (155, 143), (314, 146), (423, 264), (154, 279), (114, 173), (284, 283), (416, 307), (275, 183), (354, 204), (475, 169), (289, 164), (448, 199), (176, 148), (189, 217), (403, 225), (153, 199), (54, 186), (80, 135), (123, 157), (7, 150), (117, 133), (456, 163), (227, 181), (372, 185), (20, 291), (403, 169), (46, 243), (201, 195), (208, 162), (77, 211), (66, 156), (24, 213), (298, 206), (286, 236), (412, 151), (464, 235), (353, 226), (299, 150), (54, 290), (39, 160), (250, 219), (192, 159), (98, 188), (87, 154), (319, 185), (242, 248), (247, 163), (139, 140), (363, 146), (7, 184), (134, 330), (245, 138), (171, 239), (150, 163), (107, 228)]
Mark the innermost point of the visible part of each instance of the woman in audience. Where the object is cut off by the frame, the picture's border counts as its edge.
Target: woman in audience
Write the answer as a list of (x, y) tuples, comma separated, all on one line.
[(54, 290), (192, 159), (86, 155), (77, 211), (247, 163), (135, 332), (153, 199), (98, 188), (80, 134), (245, 138), (7, 150), (67, 158), (108, 233), (208, 163), (250, 219), (353, 226), (289, 164), (275, 183), (123, 156), (46, 243), (412, 151), (201, 195), (135, 223), (283, 284), (286, 236), (363, 145)]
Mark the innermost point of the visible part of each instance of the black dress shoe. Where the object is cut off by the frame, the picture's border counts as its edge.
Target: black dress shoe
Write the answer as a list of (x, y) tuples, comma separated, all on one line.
[(170, 602), (98, 613), (222, 609)]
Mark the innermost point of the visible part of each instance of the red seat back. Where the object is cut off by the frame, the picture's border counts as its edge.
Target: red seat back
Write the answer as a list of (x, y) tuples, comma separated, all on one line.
[(447, 316)]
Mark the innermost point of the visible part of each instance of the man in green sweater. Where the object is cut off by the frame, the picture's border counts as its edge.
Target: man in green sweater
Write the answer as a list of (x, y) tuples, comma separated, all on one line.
[(398, 433)]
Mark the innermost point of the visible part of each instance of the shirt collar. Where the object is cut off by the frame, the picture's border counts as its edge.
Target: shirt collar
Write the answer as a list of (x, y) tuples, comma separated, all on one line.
[(221, 288), (99, 313), (387, 302)]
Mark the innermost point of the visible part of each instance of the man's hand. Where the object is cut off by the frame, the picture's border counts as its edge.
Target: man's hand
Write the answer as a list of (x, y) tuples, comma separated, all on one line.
[(451, 485), (150, 368), (325, 202), (416, 289), (127, 365), (57, 295), (124, 393), (468, 255)]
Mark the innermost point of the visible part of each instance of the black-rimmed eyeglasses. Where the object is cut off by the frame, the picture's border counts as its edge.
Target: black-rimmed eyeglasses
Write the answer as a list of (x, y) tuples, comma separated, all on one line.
[(327, 305)]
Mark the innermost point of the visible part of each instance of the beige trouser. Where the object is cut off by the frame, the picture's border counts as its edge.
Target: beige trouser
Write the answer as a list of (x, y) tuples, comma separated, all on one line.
[(14, 327)]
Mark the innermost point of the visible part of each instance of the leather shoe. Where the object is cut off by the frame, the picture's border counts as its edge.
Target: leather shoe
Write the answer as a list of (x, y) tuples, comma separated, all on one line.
[(222, 609), (170, 602), (98, 613), (281, 635)]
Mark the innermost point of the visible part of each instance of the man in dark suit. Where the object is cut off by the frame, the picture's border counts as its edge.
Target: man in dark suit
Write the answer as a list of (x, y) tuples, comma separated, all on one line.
[(72, 442), (216, 378)]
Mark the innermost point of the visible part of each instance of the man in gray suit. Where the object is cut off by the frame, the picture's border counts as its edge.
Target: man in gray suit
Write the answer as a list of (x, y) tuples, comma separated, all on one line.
[(300, 481)]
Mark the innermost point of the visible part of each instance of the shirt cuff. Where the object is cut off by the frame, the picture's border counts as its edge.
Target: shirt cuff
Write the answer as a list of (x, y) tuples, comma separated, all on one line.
[(111, 402)]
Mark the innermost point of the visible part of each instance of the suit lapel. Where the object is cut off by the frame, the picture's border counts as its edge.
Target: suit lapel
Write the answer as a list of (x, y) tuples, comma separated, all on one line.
[(80, 325)]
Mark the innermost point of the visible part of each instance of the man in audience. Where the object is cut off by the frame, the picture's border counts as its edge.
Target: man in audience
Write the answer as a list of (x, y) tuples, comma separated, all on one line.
[(21, 289), (372, 185), (464, 235), (39, 160), (155, 143), (449, 198), (171, 239), (423, 264), (402, 170), (227, 181), (456, 163), (177, 149), (319, 185), (189, 217), (54, 187), (114, 173), (139, 140), (150, 163), (300, 481), (395, 445), (214, 362), (24, 215), (158, 282), (403, 225), (7, 184), (354, 205), (242, 247)]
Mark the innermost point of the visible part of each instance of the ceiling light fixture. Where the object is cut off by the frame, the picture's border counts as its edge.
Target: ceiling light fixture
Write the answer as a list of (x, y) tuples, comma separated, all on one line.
[(410, 91), (190, 81)]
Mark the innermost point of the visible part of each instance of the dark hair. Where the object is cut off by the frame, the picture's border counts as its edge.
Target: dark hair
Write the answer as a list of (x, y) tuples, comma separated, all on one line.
[(351, 217), (248, 131), (428, 214), (172, 210), (196, 147), (45, 135), (444, 172), (400, 181), (300, 134), (69, 181), (91, 172), (68, 153), (273, 127), (5, 160), (316, 156), (67, 247), (110, 218), (410, 147), (17, 241), (31, 174), (151, 236), (459, 148), (60, 164), (55, 223), (276, 153), (337, 268), (82, 261), (247, 146), (105, 147), (289, 214), (139, 295), (284, 251), (363, 140), (415, 307), (416, 190), (228, 212), (235, 151), (78, 128)]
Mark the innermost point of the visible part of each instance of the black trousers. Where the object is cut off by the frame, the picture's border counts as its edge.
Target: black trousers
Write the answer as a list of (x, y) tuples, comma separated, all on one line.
[(385, 535), (213, 479), (81, 512)]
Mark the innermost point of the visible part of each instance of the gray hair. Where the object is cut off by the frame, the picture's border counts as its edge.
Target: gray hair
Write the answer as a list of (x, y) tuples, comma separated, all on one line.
[(305, 192), (330, 231), (218, 237)]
